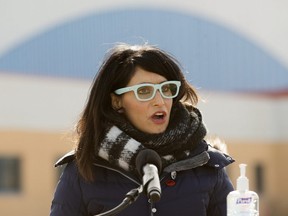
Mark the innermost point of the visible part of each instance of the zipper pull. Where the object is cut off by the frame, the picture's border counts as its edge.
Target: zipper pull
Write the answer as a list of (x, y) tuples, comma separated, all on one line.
[(173, 175)]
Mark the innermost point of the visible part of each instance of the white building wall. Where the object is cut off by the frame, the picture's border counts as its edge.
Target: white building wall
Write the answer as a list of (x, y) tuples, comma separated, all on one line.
[(50, 104), (245, 116)]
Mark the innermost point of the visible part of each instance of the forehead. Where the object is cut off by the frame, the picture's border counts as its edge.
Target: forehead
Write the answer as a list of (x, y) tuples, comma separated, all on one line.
[(143, 76)]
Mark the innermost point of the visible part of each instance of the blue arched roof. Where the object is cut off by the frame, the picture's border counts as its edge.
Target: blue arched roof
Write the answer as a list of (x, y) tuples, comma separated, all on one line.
[(213, 57)]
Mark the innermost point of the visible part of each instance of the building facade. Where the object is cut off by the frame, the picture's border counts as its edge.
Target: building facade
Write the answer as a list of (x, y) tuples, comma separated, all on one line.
[(238, 61)]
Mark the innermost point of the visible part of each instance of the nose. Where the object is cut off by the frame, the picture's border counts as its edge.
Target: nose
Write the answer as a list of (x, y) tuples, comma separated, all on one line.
[(158, 100)]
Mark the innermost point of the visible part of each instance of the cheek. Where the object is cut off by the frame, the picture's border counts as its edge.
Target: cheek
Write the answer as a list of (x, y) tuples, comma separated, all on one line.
[(136, 115), (133, 109), (169, 104)]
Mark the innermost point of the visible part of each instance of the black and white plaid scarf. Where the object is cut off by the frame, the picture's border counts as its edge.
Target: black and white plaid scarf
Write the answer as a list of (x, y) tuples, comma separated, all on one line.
[(122, 141)]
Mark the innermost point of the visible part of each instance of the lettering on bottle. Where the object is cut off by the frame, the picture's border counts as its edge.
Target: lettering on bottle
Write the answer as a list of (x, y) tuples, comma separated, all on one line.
[(242, 200)]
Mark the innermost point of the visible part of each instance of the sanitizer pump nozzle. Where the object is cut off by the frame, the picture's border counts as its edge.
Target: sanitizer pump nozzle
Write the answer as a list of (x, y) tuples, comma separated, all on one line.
[(242, 181), (242, 202)]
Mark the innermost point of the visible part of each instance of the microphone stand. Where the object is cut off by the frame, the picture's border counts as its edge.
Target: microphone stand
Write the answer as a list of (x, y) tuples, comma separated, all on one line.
[(130, 197)]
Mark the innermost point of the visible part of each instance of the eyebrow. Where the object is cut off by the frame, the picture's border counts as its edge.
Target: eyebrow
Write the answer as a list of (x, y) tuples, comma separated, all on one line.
[(149, 83)]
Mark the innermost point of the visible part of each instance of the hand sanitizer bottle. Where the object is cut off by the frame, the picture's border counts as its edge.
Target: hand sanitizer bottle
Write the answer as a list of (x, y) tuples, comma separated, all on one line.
[(242, 202)]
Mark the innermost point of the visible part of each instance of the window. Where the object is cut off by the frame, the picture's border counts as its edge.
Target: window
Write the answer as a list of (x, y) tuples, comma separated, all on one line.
[(9, 174), (259, 173)]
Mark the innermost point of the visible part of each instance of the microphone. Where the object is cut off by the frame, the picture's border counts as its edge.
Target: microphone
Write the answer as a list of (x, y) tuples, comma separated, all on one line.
[(148, 164)]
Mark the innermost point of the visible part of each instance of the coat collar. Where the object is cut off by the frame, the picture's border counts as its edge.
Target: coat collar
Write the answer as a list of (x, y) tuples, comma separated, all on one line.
[(211, 157)]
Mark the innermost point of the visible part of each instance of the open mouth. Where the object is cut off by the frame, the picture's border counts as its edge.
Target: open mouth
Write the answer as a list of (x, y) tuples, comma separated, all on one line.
[(159, 115)]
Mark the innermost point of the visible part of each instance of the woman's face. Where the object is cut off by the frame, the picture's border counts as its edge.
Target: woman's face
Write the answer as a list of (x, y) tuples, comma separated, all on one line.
[(148, 116)]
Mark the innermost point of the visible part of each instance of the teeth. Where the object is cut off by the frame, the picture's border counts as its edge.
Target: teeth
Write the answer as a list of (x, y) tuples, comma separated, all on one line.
[(159, 115)]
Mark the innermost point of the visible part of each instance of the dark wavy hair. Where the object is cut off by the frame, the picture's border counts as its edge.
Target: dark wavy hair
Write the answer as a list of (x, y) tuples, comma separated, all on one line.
[(115, 72)]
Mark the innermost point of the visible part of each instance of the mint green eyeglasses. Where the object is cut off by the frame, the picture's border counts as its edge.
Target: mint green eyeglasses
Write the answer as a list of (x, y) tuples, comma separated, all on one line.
[(147, 91)]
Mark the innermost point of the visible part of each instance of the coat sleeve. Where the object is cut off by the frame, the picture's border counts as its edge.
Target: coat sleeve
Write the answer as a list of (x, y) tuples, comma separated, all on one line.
[(67, 199), (217, 205)]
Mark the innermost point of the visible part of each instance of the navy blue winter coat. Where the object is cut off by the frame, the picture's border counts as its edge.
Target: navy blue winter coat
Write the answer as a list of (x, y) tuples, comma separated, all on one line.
[(195, 187)]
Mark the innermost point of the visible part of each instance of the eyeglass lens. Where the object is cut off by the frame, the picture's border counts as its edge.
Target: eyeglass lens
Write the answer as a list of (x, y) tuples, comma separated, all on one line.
[(147, 92)]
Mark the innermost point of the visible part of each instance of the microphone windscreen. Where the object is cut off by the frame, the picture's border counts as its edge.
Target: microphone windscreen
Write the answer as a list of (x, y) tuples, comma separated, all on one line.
[(148, 156)]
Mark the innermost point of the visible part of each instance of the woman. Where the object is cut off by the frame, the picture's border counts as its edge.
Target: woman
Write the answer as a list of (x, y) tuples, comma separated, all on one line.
[(140, 100)]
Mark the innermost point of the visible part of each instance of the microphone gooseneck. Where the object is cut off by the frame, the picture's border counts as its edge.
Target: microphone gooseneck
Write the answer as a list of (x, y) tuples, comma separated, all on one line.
[(148, 162)]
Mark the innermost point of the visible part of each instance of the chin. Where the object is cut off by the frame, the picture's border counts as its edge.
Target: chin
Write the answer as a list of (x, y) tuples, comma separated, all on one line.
[(157, 130)]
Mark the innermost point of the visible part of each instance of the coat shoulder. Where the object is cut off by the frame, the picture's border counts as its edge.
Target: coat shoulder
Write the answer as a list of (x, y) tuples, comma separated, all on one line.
[(67, 158), (218, 158)]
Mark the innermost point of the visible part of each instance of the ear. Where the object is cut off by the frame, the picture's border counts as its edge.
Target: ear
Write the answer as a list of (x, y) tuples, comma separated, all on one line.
[(116, 101)]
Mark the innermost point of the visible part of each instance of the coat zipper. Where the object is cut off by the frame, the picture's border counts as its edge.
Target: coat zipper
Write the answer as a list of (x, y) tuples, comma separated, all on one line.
[(118, 171), (131, 179), (115, 170)]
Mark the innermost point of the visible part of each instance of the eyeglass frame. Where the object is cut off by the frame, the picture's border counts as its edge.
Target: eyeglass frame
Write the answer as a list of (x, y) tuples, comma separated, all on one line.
[(156, 87)]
